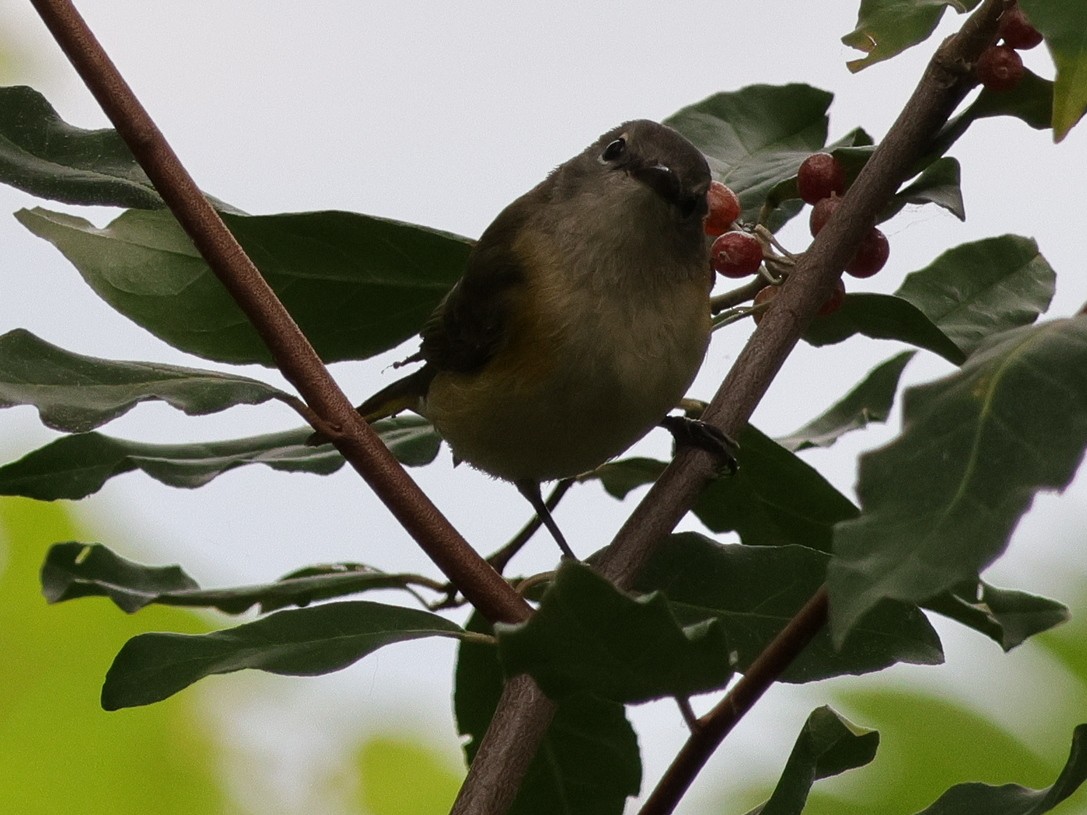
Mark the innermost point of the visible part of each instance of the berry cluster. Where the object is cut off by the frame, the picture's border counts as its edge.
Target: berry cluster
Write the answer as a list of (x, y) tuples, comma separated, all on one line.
[(1000, 68), (820, 181), (735, 252)]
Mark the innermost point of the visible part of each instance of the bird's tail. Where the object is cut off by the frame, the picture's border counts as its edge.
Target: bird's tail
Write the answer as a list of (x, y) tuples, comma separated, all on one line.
[(405, 393)]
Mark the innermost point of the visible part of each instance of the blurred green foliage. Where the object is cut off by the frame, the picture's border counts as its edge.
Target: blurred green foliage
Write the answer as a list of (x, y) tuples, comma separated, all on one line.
[(386, 762), (63, 753)]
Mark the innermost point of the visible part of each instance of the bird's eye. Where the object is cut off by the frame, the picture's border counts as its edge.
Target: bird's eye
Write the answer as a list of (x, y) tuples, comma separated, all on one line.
[(614, 150)]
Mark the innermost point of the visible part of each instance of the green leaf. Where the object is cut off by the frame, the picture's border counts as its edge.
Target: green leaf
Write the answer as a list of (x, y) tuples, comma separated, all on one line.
[(74, 570), (1011, 799), (589, 636), (755, 138), (870, 401), (888, 27), (76, 393), (1063, 23), (588, 762), (43, 155), (940, 502), (355, 284), (827, 745), (753, 592), (1006, 616), (297, 642), (79, 570), (931, 740), (981, 288), (882, 317), (774, 499), (1031, 101), (939, 184), (76, 466)]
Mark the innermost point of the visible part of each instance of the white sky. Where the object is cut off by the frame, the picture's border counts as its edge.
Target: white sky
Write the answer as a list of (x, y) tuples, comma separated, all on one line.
[(442, 113)]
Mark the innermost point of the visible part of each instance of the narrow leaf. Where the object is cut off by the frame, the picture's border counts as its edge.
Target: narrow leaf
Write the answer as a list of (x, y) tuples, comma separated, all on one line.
[(356, 285), (870, 401), (888, 27), (940, 502), (589, 636), (298, 642), (78, 570), (882, 317), (753, 592), (1012, 799), (43, 155), (980, 288), (73, 570), (827, 745), (1008, 617), (77, 393), (588, 761), (76, 466)]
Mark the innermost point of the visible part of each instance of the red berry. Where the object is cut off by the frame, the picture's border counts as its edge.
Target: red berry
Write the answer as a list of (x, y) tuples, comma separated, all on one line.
[(736, 254), (820, 176), (1000, 68), (821, 213), (724, 209), (834, 302), (765, 295), (1016, 30), (871, 255)]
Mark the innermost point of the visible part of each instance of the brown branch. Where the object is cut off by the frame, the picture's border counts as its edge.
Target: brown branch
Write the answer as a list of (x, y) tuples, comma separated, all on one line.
[(296, 358), (945, 82), (711, 729)]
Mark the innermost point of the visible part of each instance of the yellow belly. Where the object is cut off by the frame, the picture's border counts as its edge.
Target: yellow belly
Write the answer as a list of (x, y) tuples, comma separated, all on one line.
[(578, 384)]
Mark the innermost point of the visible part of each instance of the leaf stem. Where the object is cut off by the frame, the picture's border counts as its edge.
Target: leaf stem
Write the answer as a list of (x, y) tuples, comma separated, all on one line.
[(294, 355)]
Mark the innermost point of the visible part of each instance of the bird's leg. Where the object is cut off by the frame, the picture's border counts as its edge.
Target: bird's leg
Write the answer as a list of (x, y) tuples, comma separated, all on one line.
[(531, 490), (503, 556), (696, 433)]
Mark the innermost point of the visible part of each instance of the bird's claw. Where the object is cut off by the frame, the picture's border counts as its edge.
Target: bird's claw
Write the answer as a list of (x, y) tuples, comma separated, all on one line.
[(689, 432)]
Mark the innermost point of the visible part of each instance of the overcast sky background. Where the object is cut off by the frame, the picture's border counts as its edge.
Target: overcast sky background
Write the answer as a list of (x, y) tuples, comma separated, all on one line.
[(440, 114)]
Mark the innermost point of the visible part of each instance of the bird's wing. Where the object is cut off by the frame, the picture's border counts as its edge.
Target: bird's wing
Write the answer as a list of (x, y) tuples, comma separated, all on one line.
[(472, 323)]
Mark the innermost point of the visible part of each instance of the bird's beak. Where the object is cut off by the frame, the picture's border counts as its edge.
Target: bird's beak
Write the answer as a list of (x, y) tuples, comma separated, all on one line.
[(663, 181), (660, 179)]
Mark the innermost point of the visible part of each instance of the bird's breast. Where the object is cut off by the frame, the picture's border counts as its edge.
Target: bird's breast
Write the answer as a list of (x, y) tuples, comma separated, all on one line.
[(591, 365)]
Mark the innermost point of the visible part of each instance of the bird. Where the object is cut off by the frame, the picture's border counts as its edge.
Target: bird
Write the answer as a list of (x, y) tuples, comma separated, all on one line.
[(580, 321)]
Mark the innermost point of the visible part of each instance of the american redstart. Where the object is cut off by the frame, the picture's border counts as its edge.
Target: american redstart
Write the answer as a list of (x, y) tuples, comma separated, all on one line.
[(580, 321)]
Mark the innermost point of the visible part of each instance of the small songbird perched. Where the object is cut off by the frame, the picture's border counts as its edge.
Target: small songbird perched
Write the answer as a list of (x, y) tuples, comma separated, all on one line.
[(580, 321)]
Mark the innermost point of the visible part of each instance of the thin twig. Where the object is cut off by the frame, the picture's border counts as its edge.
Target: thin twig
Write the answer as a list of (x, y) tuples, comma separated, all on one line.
[(741, 294), (296, 358), (710, 730)]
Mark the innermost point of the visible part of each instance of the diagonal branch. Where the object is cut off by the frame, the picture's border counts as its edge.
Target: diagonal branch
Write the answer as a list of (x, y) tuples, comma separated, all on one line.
[(945, 82), (294, 355), (710, 730)]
